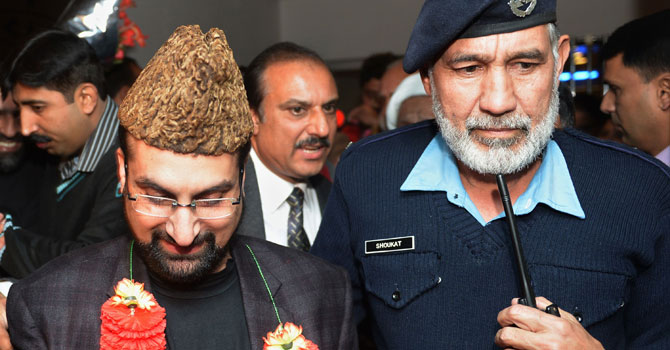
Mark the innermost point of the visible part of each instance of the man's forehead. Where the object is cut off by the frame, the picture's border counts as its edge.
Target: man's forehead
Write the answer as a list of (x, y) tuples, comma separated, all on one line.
[(535, 39), (301, 80), (616, 73), (180, 170), (23, 93)]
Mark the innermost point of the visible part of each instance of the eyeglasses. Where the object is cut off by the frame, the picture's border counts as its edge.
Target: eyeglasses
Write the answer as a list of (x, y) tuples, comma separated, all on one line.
[(161, 207)]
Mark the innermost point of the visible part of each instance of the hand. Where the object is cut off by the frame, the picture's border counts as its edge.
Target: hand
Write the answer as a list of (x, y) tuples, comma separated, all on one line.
[(527, 328), (5, 344)]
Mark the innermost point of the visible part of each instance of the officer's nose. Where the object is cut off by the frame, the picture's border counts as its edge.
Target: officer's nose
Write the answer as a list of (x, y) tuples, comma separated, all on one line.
[(497, 97)]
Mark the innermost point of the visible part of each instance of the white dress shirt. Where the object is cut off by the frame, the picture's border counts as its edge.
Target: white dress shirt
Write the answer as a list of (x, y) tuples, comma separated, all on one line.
[(274, 191)]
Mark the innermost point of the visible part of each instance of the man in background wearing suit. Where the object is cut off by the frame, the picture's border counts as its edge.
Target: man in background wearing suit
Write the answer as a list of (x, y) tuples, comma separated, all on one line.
[(185, 136), (293, 98)]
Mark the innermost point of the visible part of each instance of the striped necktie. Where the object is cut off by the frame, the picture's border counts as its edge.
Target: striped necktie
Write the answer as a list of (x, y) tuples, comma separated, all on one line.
[(297, 238)]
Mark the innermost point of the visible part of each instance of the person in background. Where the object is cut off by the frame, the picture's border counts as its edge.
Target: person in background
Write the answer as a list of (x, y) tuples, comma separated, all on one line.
[(120, 77), (392, 77), (366, 115), (11, 140), (21, 167), (591, 120), (637, 71), (58, 84), (409, 104), (416, 218), (293, 100), (566, 107)]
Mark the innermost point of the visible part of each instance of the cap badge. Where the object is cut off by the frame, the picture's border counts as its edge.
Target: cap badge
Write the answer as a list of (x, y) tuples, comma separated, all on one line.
[(517, 5)]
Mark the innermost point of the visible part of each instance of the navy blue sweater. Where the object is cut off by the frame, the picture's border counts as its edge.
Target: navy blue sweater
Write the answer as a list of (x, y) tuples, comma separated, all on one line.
[(611, 267)]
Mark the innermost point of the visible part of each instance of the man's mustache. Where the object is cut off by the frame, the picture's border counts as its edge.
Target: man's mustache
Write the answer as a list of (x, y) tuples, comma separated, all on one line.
[(512, 121), (15, 138), (37, 138), (313, 141)]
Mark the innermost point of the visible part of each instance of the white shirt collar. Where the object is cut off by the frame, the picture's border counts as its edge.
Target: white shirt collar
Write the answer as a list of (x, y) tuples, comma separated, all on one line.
[(273, 192)]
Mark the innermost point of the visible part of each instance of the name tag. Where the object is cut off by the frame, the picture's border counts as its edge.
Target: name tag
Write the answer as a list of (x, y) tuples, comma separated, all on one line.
[(388, 245)]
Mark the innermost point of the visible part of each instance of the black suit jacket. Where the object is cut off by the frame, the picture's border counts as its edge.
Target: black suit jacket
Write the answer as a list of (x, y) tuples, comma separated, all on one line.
[(91, 212), (251, 223), (58, 307)]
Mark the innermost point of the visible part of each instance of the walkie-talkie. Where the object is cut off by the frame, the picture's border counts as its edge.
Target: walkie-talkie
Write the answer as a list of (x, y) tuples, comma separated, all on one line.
[(526, 287)]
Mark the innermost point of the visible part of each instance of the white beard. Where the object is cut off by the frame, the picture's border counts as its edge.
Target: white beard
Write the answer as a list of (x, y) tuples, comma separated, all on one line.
[(499, 158)]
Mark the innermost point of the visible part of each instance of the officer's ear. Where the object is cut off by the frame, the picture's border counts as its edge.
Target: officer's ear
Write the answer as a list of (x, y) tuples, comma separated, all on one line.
[(425, 80)]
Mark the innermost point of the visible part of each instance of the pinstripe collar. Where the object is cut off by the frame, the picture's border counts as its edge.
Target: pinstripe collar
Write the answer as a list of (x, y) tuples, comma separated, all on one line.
[(97, 144)]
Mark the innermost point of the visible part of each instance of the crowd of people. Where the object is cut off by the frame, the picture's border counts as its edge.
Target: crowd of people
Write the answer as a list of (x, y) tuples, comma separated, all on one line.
[(196, 204)]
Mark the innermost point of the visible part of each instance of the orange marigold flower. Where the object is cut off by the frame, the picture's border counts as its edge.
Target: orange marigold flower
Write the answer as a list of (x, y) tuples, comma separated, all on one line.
[(132, 294), (288, 337)]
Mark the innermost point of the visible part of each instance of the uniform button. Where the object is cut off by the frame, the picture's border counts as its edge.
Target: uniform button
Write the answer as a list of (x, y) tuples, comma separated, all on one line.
[(395, 296)]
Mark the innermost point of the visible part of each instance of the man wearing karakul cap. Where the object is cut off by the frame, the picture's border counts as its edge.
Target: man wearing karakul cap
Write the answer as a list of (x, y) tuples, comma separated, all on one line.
[(185, 130), (415, 216)]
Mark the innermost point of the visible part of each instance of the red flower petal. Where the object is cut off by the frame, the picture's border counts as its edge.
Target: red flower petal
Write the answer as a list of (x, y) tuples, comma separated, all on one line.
[(142, 330)]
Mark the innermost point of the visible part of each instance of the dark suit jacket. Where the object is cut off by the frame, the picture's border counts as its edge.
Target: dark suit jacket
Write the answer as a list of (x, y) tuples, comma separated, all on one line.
[(89, 212), (251, 223), (58, 307)]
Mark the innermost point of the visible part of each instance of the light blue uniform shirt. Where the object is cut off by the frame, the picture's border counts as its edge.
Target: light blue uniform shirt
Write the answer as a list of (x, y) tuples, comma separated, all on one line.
[(436, 170)]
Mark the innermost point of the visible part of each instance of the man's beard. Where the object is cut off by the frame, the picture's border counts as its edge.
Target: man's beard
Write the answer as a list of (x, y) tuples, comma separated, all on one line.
[(182, 269), (10, 161), (501, 157)]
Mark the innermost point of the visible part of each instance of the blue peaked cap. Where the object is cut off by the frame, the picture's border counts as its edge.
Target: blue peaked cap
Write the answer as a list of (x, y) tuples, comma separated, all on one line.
[(441, 22)]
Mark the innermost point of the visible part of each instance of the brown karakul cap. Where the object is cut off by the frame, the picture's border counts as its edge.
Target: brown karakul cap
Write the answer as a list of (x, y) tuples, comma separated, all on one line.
[(190, 97)]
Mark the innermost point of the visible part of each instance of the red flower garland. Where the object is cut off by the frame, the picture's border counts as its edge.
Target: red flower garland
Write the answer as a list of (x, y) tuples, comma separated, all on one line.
[(132, 319)]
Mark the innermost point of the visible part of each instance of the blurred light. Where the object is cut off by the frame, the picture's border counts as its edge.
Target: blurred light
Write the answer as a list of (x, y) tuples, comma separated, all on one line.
[(579, 75), (96, 21), (581, 49), (579, 58), (341, 118)]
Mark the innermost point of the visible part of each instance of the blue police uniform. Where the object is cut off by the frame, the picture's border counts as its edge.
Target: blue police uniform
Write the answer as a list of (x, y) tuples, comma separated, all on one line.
[(429, 272), (594, 225)]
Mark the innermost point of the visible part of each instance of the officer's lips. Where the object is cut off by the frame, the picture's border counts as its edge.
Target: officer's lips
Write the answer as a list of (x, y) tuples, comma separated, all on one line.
[(496, 132)]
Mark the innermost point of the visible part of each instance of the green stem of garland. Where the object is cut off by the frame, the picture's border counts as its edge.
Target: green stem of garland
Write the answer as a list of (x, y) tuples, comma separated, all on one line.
[(132, 243), (264, 281)]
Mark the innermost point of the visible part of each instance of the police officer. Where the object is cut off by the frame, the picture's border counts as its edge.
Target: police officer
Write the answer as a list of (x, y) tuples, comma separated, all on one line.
[(415, 215)]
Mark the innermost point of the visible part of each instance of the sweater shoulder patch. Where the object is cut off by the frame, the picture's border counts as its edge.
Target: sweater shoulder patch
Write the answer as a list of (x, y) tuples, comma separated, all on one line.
[(391, 135), (615, 146)]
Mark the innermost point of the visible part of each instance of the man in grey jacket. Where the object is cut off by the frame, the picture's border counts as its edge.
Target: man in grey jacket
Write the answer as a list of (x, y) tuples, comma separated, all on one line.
[(184, 139)]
